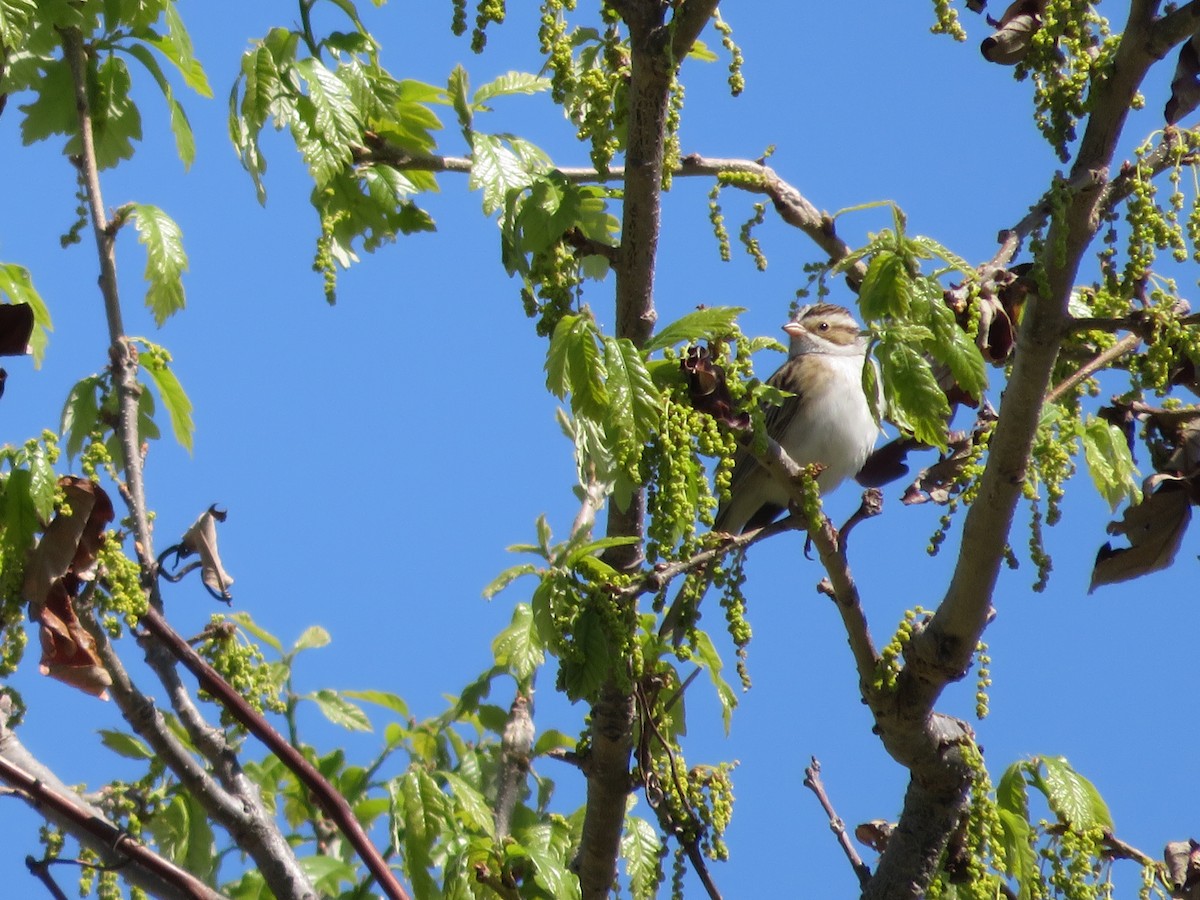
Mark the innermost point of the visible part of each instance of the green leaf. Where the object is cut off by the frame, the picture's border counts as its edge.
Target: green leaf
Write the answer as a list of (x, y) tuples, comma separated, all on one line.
[(1020, 859), (166, 260), (496, 170), (573, 365), (952, 346), (1110, 462), (518, 646), (387, 700), (328, 873), (116, 121), (508, 84), (591, 663), (710, 659), (170, 391), (1073, 798), (1012, 792), (550, 872), (471, 804), (642, 851), (248, 624), (635, 405), (312, 638), (553, 740), (185, 141), (176, 46), (507, 577), (340, 711), (911, 390), (710, 323), (888, 287), (81, 413), (17, 284), (126, 745), (457, 86)]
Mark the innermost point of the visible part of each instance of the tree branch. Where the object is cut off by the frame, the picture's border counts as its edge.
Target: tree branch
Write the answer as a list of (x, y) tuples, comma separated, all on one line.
[(929, 745), (41, 789), (812, 781)]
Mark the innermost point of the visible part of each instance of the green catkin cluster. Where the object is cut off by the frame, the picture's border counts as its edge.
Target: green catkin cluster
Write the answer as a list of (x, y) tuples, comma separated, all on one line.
[(733, 601), (125, 599), (749, 241), (737, 81), (893, 652), (717, 218), (1072, 860), (589, 81), (983, 680), (323, 259), (241, 663), (671, 138), (1073, 45), (982, 836), (1169, 343), (947, 21), (73, 233), (712, 799), (486, 12), (555, 276)]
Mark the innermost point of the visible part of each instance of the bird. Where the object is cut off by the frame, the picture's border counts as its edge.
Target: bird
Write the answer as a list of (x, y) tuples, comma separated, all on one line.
[(827, 420)]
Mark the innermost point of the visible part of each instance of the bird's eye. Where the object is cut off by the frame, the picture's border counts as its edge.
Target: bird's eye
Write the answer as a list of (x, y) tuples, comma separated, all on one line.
[(824, 326)]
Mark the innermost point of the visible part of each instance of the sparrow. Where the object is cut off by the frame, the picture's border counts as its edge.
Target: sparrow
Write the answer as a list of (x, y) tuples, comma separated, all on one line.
[(828, 420)]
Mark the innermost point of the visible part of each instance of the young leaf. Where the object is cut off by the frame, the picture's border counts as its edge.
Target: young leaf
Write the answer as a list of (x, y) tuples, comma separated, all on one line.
[(496, 170), (471, 804), (508, 84), (888, 287), (642, 851), (1073, 798), (394, 702), (176, 46), (248, 624), (508, 576), (518, 646), (81, 412), (573, 365), (909, 387), (706, 324), (340, 711), (635, 405), (166, 260), (170, 391), (710, 659), (457, 87), (1110, 462), (951, 345), (312, 638)]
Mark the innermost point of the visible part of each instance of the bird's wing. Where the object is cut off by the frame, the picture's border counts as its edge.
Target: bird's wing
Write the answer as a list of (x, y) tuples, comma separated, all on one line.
[(777, 419)]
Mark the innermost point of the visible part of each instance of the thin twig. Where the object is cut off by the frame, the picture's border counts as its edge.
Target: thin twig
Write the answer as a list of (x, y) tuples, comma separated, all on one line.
[(1120, 348), (812, 781)]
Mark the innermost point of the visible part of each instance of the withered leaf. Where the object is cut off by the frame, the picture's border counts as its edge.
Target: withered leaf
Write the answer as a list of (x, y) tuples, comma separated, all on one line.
[(71, 540), (68, 651), (708, 389), (201, 539), (63, 559), (1185, 84), (1010, 42), (1154, 528)]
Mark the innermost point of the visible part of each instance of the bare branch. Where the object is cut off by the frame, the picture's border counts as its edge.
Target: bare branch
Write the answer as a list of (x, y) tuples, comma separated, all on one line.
[(812, 781), (1125, 345)]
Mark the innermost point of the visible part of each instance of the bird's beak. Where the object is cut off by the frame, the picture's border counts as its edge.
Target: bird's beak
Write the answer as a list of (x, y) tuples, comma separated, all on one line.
[(795, 329)]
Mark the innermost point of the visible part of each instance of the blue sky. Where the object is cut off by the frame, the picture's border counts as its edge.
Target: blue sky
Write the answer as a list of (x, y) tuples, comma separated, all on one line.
[(374, 471)]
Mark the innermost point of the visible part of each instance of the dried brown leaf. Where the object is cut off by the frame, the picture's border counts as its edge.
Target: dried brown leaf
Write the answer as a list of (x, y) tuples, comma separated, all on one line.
[(1154, 528)]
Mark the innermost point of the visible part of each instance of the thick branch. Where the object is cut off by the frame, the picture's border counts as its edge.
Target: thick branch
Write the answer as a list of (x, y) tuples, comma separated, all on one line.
[(48, 796), (941, 652)]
